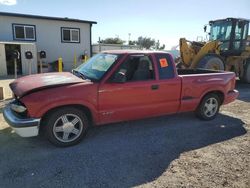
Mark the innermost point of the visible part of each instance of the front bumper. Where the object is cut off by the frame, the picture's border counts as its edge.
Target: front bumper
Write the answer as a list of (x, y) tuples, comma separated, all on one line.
[(25, 127), (231, 96)]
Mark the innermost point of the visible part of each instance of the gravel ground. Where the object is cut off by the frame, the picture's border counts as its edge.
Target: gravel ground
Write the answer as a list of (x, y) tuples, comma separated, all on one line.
[(169, 151)]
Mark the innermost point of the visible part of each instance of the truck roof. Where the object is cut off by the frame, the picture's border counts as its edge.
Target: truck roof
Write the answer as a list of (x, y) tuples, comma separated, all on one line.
[(133, 51)]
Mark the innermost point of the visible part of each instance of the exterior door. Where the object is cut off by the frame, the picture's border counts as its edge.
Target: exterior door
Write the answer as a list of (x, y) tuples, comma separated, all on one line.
[(3, 67), (10, 61)]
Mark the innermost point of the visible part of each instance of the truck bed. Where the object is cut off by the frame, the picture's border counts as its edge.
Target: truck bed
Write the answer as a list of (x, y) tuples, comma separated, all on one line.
[(197, 82)]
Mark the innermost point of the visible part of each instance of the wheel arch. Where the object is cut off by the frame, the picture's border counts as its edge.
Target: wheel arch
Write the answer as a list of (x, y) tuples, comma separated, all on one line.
[(219, 93), (83, 108)]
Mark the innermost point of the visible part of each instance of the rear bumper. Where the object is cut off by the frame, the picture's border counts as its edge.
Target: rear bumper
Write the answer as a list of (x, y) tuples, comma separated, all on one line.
[(25, 127), (231, 96)]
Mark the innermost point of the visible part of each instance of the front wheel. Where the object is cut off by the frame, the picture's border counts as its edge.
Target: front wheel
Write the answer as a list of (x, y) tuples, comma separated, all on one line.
[(66, 126), (209, 107)]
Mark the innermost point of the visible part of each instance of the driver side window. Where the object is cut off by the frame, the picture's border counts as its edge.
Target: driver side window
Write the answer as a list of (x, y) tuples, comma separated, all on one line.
[(135, 68)]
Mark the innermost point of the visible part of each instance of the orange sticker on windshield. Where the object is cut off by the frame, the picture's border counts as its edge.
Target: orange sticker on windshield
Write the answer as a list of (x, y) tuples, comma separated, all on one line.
[(163, 62)]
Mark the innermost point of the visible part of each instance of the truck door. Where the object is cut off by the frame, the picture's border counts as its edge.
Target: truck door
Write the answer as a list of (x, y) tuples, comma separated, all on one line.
[(9, 48), (132, 92)]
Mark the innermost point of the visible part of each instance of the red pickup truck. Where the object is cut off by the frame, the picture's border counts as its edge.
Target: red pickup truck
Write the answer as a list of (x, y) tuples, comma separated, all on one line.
[(113, 86)]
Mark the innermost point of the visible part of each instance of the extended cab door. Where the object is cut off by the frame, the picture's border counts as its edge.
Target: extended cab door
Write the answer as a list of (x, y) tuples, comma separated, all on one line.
[(169, 82), (134, 91)]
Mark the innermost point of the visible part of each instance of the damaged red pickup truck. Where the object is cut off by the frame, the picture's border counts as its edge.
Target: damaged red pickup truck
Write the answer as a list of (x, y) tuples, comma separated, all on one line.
[(113, 86)]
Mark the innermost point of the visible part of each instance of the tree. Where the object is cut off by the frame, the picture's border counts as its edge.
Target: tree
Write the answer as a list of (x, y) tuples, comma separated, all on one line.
[(162, 47), (112, 41), (145, 42), (158, 47), (134, 42)]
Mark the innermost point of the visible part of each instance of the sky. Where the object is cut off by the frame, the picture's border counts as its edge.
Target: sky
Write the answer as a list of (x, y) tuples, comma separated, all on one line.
[(163, 20)]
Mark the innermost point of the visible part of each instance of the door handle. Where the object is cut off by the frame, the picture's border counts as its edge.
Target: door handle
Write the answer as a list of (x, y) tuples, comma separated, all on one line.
[(155, 87)]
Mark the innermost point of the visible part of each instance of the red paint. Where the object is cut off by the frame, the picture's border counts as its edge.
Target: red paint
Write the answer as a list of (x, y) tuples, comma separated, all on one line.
[(33, 82), (114, 102)]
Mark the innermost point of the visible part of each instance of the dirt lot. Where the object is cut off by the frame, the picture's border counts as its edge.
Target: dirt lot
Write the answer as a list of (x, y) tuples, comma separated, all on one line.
[(4, 83), (169, 151)]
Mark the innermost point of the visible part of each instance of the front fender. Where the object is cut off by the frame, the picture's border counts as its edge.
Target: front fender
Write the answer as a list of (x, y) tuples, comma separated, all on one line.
[(44, 109), (39, 103)]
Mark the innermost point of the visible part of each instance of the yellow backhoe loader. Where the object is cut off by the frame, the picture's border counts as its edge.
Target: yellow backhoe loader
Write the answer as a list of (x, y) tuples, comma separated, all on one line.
[(228, 48)]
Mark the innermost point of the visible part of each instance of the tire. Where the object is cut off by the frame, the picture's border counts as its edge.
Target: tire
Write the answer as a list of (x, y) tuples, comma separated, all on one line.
[(246, 74), (179, 65), (212, 62), (66, 126), (209, 107)]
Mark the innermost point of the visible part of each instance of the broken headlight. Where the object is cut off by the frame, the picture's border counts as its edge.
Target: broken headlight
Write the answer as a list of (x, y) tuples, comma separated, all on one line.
[(18, 107)]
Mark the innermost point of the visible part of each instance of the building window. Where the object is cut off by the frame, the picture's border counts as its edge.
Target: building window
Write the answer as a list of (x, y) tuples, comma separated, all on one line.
[(24, 32), (70, 34)]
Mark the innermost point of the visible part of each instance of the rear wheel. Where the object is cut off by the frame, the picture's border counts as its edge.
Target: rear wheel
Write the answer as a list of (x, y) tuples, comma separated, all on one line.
[(213, 62), (66, 126), (209, 107), (246, 74)]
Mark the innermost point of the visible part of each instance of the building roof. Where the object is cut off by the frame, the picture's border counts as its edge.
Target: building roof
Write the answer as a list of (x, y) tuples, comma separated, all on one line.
[(16, 42), (45, 17)]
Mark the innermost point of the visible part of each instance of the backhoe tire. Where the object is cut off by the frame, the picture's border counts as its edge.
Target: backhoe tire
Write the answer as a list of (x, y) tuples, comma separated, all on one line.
[(180, 65), (246, 74), (212, 62)]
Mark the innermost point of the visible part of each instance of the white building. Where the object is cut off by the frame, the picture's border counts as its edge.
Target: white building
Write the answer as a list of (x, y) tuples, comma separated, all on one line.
[(58, 37)]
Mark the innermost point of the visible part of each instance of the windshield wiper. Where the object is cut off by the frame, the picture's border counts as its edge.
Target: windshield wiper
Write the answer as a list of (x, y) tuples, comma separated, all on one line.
[(78, 74)]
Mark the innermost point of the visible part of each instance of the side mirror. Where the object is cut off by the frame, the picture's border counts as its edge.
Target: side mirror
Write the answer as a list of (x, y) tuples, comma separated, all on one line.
[(120, 77)]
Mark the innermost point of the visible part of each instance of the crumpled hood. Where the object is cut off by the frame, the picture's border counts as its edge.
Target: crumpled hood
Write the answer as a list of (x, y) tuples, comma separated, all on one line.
[(31, 83)]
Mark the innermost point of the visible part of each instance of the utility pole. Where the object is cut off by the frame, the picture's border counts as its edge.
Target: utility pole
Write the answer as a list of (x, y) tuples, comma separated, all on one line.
[(129, 38), (99, 42)]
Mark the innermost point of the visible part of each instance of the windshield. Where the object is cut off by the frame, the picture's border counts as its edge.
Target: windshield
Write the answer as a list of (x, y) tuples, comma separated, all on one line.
[(96, 66), (220, 30)]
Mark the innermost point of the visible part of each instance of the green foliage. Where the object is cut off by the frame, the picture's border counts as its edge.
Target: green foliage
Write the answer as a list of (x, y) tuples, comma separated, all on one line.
[(112, 41), (158, 47), (145, 42), (162, 47), (134, 42), (142, 42)]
